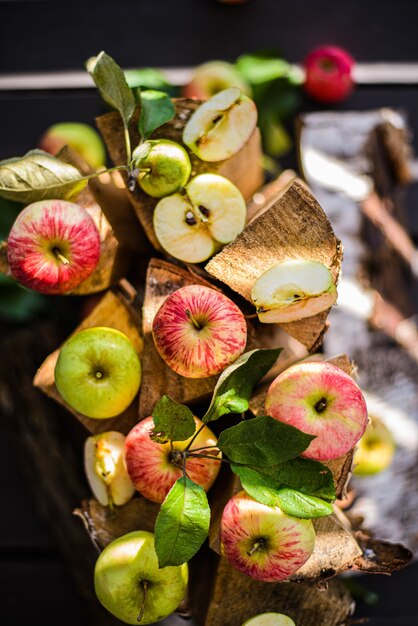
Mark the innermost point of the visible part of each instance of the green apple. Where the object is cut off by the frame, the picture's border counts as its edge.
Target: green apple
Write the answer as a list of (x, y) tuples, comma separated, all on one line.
[(98, 372), (105, 468), (164, 167), (375, 450), (210, 78), (130, 585), (82, 138), (221, 126), (292, 290), (193, 226), (269, 619)]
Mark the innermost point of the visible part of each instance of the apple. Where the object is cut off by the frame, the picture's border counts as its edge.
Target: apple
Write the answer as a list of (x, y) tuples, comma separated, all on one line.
[(375, 450), (98, 372), (53, 246), (220, 127), (269, 619), (82, 138), (105, 468), (262, 541), (154, 467), (131, 586), (292, 290), (198, 331), (322, 400), (210, 78), (329, 74), (193, 226), (164, 167)]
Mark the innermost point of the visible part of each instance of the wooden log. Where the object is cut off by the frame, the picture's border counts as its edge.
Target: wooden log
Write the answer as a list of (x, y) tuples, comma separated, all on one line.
[(114, 310), (243, 169), (292, 226)]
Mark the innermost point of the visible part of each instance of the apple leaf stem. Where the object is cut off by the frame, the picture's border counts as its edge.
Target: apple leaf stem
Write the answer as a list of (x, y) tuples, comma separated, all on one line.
[(193, 320), (209, 456), (144, 585), (127, 142), (199, 430)]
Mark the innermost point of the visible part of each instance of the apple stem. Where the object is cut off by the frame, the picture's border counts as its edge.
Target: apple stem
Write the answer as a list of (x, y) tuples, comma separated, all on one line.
[(321, 405), (60, 256), (144, 585), (257, 545), (193, 320)]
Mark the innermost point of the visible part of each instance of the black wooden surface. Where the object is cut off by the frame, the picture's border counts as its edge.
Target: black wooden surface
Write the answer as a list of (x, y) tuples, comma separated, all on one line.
[(61, 34)]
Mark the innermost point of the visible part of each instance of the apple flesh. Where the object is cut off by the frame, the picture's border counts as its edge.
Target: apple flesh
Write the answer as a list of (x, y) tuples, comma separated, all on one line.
[(220, 127), (293, 290), (105, 468), (164, 167), (210, 78), (82, 138), (131, 586), (262, 541), (269, 619), (322, 400), (198, 331), (329, 74), (154, 467), (193, 227), (98, 372), (375, 450), (53, 246)]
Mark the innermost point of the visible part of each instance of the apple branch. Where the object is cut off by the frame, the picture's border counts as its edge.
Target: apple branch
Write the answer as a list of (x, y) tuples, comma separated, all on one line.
[(199, 430)]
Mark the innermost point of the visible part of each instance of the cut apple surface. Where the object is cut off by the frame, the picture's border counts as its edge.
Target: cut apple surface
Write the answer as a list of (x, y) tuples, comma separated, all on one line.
[(105, 468), (221, 126), (292, 290), (192, 227), (269, 619)]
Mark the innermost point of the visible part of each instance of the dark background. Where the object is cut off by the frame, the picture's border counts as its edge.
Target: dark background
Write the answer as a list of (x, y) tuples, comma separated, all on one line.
[(60, 35)]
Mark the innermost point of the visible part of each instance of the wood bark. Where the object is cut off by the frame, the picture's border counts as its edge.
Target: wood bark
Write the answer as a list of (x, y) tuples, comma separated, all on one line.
[(292, 226), (243, 169), (114, 310)]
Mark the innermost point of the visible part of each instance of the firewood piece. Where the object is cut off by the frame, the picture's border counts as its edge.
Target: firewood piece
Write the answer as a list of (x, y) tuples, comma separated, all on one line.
[(381, 557), (113, 311), (266, 194), (104, 525), (4, 264), (243, 169), (158, 378), (234, 598), (292, 227)]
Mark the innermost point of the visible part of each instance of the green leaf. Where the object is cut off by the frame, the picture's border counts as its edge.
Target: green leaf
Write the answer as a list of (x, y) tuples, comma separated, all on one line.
[(173, 421), (182, 524), (39, 176), (156, 109), (111, 83), (266, 490), (235, 384), (304, 475), (147, 78), (261, 68), (263, 441)]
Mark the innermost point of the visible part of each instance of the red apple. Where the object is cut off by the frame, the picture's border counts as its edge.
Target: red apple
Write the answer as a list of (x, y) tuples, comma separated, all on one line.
[(53, 246), (322, 400), (154, 467), (329, 74), (198, 331), (262, 541)]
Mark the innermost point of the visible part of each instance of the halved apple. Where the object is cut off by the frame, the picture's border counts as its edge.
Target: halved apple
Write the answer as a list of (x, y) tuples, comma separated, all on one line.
[(192, 227), (221, 126), (105, 468), (292, 290), (269, 619)]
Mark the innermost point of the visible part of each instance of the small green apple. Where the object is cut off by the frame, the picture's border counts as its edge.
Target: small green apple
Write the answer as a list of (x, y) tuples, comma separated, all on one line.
[(98, 372), (82, 138), (130, 585), (292, 290), (375, 450), (269, 619), (105, 468), (220, 127), (164, 167)]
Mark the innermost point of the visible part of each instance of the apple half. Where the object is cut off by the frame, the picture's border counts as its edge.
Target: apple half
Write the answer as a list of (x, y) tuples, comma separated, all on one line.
[(269, 619), (220, 127), (194, 226), (105, 468), (292, 290)]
